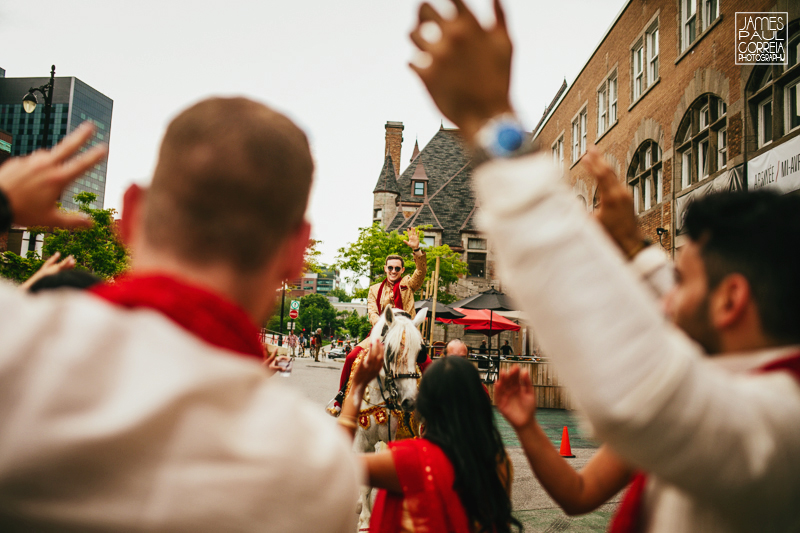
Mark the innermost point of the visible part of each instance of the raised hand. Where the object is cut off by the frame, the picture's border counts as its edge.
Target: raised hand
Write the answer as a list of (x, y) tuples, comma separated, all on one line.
[(514, 397), (34, 183), (469, 69), (370, 366), (413, 238), (616, 213), (50, 267)]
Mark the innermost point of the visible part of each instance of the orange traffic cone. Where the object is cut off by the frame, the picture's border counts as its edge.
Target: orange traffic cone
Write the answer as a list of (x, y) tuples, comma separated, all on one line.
[(566, 450)]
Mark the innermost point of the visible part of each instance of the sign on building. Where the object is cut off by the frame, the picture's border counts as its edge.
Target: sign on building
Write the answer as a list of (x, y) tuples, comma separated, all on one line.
[(777, 169)]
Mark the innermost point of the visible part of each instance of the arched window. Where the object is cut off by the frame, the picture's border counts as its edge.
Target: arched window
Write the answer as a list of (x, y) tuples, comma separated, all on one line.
[(645, 176), (702, 141), (773, 96)]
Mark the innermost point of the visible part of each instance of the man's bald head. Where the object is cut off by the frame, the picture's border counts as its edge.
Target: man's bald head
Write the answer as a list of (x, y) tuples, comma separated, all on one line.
[(231, 184), (456, 347)]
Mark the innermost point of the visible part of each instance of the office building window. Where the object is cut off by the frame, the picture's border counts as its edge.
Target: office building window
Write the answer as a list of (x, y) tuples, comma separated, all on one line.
[(558, 153), (710, 12), (602, 110), (644, 61), (638, 71), (645, 176), (701, 134), (765, 123), (576, 140), (476, 257), (652, 55), (722, 148), (688, 23), (583, 131), (791, 106), (476, 263), (607, 104), (612, 99)]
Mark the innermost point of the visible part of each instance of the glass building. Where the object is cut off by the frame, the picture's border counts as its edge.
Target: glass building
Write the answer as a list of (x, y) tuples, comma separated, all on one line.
[(73, 103)]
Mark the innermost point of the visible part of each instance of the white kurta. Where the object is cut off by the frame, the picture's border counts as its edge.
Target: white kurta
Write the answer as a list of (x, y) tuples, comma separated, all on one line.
[(729, 444), (118, 420)]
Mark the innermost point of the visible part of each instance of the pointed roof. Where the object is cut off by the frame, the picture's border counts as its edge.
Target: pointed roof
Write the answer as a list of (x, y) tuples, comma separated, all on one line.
[(450, 202), (415, 153), (419, 172), (387, 181)]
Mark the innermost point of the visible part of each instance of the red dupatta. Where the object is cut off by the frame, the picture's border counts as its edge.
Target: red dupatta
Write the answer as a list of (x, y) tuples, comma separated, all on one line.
[(204, 314), (398, 297), (628, 518), (427, 477)]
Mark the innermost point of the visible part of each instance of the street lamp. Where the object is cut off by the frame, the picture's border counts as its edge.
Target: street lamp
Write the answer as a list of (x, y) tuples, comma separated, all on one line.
[(29, 102)]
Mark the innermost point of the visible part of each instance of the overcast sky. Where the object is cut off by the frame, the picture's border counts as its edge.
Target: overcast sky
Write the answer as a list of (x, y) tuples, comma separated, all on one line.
[(337, 67)]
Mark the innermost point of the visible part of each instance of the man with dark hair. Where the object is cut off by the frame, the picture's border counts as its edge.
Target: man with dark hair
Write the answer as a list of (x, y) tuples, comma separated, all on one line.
[(396, 290), (128, 408), (717, 436)]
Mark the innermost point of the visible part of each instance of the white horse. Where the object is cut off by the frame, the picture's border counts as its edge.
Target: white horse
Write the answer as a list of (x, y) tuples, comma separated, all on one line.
[(389, 400)]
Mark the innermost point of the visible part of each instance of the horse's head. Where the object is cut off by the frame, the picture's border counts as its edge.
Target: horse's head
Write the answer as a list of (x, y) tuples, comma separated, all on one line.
[(403, 344)]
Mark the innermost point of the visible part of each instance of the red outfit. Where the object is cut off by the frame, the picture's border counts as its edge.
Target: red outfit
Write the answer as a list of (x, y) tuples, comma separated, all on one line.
[(427, 478), (205, 314), (628, 518)]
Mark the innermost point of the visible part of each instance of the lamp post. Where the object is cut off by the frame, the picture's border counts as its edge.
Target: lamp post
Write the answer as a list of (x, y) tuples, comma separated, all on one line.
[(283, 300), (29, 103)]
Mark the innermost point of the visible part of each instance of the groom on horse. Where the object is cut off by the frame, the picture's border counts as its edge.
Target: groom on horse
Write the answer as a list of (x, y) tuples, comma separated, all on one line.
[(394, 291)]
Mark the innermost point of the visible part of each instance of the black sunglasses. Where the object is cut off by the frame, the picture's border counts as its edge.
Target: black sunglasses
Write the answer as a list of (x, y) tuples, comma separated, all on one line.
[(394, 269)]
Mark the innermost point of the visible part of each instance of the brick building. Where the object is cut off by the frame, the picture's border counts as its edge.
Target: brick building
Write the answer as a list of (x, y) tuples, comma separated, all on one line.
[(434, 190), (663, 98)]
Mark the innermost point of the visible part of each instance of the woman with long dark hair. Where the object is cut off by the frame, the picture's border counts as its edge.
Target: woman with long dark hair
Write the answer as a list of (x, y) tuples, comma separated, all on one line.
[(457, 476)]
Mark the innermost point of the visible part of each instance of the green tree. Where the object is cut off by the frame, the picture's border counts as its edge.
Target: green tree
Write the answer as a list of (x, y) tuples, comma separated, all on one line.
[(341, 294), (18, 268), (311, 258), (317, 312), (97, 249), (366, 257)]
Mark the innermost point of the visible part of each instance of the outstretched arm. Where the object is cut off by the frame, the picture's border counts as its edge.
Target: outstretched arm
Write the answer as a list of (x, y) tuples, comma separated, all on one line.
[(364, 372), (33, 184), (469, 67), (50, 267), (420, 261), (575, 492)]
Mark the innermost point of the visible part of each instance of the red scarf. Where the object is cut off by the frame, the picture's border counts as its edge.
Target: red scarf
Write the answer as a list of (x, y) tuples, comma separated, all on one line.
[(427, 477), (628, 518), (206, 315), (398, 298)]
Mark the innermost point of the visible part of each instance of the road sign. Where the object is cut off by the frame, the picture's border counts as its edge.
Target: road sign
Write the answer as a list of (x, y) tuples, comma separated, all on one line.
[(293, 313), (290, 325), (295, 305)]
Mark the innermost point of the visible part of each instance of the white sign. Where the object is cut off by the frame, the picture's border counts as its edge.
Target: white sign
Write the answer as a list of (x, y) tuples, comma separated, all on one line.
[(777, 169), (727, 181), (295, 304)]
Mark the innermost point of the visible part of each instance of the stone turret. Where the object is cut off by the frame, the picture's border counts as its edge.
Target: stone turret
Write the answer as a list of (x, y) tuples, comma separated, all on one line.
[(386, 193)]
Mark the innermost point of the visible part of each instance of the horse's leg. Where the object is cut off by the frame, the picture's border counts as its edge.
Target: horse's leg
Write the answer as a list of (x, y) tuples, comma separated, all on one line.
[(364, 442)]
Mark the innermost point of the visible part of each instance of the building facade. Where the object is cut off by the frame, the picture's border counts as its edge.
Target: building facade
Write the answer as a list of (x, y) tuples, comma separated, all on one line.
[(434, 190), (315, 283), (73, 103), (663, 98)]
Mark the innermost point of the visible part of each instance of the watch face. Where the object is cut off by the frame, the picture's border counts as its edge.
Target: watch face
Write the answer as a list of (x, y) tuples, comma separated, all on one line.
[(509, 137)]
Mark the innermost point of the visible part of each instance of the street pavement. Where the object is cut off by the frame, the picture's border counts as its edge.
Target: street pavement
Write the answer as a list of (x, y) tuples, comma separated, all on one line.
[(319, 381)]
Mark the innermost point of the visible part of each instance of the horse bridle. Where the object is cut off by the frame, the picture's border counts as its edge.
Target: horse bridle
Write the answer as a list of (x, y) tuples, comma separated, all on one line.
[(390, 378)]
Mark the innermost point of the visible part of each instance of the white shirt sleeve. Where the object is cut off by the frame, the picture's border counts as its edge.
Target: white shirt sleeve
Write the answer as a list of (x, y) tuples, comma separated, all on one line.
[(116, 420), (636, 377)]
